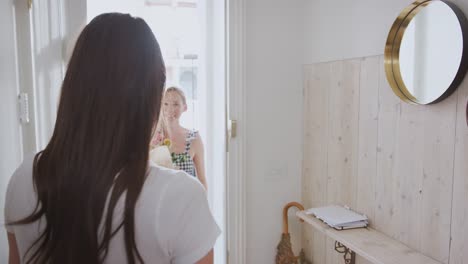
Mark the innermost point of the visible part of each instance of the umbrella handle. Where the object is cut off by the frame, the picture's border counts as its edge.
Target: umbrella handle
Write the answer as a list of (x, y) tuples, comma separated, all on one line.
[(285, 214)]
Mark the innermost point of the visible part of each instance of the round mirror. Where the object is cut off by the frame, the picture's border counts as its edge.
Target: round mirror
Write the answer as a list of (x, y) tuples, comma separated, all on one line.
[(425, 54)]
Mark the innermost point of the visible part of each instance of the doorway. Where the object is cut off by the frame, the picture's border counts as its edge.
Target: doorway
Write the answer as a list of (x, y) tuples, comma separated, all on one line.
[(191, 35)]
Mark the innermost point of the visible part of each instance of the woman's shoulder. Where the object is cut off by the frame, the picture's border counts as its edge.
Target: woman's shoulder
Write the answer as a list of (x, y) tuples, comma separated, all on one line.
[(20, 194), (22, 177), (173, 180), (197, 142), (190, 132)]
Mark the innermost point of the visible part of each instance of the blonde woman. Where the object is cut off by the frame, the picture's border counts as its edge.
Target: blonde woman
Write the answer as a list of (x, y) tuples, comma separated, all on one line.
[(186, 146)]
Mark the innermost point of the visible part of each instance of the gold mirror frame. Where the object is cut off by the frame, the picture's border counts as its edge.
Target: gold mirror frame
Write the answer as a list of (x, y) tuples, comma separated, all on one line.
[(392, 52), (466, 113)]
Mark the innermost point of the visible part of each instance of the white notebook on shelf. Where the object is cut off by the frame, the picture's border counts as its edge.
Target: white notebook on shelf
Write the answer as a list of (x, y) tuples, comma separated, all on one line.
[(339, 217)]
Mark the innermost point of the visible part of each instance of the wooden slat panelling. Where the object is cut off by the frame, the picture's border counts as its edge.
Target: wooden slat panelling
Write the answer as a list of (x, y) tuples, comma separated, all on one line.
[(459, 221), (402, 165), (315, 152)]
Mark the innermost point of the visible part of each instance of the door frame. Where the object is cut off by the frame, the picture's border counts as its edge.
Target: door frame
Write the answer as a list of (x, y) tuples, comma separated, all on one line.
[(236, 104)]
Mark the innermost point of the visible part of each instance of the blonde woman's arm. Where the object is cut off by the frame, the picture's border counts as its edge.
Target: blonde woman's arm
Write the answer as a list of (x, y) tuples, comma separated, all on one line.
[(199, 160)]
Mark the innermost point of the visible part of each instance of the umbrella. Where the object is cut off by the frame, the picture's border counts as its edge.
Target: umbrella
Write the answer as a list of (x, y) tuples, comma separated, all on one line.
[(284, 253)]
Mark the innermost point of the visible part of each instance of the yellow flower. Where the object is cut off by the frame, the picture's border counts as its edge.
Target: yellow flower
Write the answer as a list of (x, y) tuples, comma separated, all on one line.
[(167, 142)]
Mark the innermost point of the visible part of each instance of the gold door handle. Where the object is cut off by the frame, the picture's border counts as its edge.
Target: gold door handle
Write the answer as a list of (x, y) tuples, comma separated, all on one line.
[(232, 128), (231, 132)]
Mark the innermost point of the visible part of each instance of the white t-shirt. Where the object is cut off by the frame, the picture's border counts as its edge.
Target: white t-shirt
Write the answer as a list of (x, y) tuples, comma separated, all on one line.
[(173, 222)]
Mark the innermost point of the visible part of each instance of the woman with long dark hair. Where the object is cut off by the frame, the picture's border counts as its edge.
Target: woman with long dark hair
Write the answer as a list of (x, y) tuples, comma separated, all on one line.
[(91, 196)]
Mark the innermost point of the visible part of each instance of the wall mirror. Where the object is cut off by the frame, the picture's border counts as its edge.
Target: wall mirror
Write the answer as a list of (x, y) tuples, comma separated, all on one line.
[(426, 51)]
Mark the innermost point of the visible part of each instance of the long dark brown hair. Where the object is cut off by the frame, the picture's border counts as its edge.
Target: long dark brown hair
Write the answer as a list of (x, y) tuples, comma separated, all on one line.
[(109, 105)]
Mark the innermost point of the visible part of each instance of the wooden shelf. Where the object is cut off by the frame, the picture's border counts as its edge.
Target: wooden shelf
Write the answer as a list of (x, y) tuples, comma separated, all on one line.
[(370, 244)]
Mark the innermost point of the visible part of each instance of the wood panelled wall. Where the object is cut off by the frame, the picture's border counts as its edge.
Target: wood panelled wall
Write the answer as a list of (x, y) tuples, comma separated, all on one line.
[(404, 166)]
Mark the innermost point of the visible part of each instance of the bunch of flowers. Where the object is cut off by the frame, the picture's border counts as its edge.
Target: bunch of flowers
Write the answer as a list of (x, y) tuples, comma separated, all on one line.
[(175, 158)]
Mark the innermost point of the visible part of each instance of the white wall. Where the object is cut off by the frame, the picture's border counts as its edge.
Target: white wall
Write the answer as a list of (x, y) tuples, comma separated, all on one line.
[(282, 36), (10, 141), (336, 30), (274, 122)]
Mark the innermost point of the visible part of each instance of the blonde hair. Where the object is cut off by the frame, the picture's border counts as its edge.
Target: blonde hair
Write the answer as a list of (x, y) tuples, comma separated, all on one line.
[(178, 91), (161, 132)]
